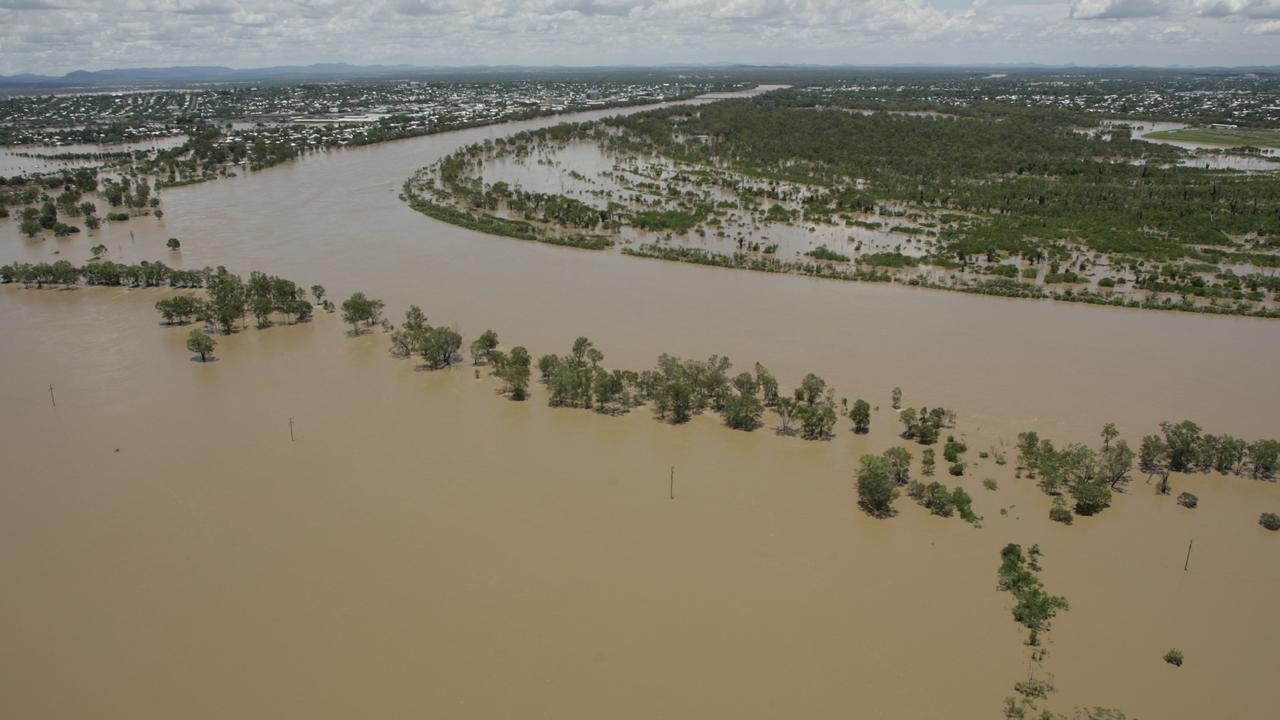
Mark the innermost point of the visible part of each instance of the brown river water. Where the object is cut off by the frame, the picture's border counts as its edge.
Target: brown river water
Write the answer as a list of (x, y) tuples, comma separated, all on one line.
[(427, 548)]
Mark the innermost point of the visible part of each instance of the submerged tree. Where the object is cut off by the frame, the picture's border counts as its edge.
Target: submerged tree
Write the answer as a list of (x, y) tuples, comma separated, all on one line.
[(876, 488), (483, 346), (816, 421), (785, 409), (198, 342), (861, 416), (899, 460), (1035, 608), (743, 411), (359, 309), (513, 370), (227, 299), (1265, 458), (768, 385), (1182, 440)]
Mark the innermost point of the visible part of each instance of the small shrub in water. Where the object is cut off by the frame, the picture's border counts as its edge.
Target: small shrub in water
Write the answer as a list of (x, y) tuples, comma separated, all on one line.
[(1174, 657), (1060, 512)]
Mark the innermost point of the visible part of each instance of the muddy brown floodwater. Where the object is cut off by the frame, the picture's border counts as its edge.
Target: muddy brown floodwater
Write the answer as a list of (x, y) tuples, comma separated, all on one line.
[(427, 548)]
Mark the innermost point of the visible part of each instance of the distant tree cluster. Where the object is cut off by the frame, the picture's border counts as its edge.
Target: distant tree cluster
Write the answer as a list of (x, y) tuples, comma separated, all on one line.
[(229, 299), (676, 389), (924, 425), (940, 500), (1089, 476), (1182, 447)]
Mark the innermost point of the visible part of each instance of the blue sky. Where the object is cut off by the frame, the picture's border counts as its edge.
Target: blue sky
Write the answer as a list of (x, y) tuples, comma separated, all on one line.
[(56, 36)]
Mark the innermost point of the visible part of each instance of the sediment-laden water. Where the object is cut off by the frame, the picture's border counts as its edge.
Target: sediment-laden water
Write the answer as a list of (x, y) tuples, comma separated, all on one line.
[(426, 547)]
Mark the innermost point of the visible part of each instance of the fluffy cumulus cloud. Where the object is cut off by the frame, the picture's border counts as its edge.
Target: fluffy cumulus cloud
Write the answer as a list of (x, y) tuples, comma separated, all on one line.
[(54, 36)]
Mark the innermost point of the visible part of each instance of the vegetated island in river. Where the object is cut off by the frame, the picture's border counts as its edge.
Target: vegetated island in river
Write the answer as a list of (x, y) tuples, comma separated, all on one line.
[(991, 199)]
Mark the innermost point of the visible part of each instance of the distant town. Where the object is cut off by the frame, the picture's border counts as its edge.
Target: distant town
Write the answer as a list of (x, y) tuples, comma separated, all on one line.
[(352, 109)]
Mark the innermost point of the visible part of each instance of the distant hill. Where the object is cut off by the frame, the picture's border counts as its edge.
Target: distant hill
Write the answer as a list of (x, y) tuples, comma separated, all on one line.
[(192, 75), (209, 74)]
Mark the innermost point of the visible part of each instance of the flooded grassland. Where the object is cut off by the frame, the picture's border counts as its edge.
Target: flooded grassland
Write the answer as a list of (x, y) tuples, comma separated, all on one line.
[(689, 186), (427, 547)]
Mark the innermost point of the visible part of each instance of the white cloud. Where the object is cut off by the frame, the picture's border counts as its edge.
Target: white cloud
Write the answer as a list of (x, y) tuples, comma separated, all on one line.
[(1252, 9), (54, 36), (1118, 9), (1271, 27), (32, 5)]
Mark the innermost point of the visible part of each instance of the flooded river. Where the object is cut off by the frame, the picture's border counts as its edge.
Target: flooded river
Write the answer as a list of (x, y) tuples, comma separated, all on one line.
[(428, 548)]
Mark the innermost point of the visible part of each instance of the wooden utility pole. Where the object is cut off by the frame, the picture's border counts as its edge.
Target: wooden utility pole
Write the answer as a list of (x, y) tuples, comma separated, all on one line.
[(1187, 564), (673, 482), (290, 429), (51, 398)]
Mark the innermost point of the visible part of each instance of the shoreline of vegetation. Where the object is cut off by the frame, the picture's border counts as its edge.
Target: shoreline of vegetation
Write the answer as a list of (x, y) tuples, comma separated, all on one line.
[(999, 287), (1020, 202), (502, 227)]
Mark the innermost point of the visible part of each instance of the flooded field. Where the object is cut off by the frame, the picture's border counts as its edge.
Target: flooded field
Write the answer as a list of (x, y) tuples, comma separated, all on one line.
[(586, 172), (426, 547), (683, 192), (20, 159), (1208, 155)]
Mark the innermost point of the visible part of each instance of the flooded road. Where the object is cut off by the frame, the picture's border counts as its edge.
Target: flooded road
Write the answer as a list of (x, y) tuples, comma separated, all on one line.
[(428, 548)]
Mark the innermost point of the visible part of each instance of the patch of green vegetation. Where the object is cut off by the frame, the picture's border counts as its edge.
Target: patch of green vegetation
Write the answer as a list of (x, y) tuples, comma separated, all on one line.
[(822, 253), (1035, 608), (888, 259), (1225, 137), (486, 223)]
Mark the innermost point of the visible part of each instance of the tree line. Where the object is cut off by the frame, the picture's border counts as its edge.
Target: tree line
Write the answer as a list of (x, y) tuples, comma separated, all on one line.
[(1089, 476), (677, 389)]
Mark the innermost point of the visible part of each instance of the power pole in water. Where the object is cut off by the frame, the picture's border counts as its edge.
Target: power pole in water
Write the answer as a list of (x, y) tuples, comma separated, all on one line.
[(1187, 564), (51, 398), (291, 430), (673, 482)]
